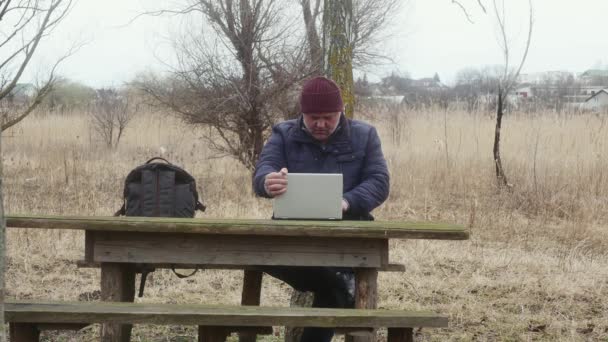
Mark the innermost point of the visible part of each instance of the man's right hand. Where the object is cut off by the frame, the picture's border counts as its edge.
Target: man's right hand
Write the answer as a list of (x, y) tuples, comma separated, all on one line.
[(275, 183)]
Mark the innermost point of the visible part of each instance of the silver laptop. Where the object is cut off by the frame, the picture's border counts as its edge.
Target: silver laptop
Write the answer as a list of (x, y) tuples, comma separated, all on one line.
[(310, 196)]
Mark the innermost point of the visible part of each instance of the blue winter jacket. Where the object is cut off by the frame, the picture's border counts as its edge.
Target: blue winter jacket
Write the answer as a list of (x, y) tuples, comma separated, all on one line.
[(353, 150)]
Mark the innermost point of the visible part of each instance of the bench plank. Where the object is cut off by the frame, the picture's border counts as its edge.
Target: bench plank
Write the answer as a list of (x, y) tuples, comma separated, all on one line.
[(210, 315), (93, 264), (362, 229)]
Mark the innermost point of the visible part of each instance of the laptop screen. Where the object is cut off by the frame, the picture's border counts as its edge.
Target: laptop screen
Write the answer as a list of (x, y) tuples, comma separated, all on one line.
[(312, 196)]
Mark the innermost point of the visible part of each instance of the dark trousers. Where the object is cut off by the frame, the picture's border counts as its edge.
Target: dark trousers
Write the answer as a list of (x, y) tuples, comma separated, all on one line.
[(333, 287)]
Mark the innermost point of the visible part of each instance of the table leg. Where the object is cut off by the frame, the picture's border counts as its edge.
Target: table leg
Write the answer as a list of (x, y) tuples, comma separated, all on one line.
[(117, 285), (212, 334), (366, 295), (24, 332), (252, 288), (400, 335)]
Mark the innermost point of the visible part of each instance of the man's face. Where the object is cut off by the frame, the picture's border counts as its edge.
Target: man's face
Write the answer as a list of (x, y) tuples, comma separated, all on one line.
[(321, 125)]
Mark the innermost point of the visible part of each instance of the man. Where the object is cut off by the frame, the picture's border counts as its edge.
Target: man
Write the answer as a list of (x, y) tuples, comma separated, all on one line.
[(323, 140)]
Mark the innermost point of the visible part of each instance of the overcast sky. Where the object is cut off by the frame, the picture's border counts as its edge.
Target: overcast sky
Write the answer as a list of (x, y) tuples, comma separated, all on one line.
[(428, 36)]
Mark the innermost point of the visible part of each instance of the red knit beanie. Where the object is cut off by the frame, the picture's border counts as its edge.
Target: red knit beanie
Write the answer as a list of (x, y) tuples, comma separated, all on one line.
[(320, 95)]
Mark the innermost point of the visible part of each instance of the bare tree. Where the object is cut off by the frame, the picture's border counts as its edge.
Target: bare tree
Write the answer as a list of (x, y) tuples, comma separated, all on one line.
[(508, 77), (507, 80), (240, 82), (25, 23), (350, 31), (466, 12), (315, 49), (110, 115), (369, 27)]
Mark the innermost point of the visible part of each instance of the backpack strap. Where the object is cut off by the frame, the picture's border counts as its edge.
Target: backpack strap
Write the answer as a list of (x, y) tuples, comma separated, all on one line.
[(159, 158), (200, 206), (122, 211), (145, 270), (182, 276)]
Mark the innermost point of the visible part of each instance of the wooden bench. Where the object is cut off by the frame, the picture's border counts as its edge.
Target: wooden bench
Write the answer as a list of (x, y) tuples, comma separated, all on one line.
[(215, 323)]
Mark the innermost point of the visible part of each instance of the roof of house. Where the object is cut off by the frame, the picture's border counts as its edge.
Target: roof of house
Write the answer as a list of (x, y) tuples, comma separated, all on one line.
[(596, 94), (524, 85)]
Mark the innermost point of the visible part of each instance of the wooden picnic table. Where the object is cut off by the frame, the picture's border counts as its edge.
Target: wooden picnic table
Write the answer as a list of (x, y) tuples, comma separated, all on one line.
[(118, 244)]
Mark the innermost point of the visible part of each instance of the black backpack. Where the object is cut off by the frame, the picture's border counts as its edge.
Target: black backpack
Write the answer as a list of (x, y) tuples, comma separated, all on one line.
[(160, 190)]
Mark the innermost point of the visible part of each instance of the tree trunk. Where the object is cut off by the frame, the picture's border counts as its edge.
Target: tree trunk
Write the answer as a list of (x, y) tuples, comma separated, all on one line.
[(312, 36), (2, 249), (338, 48), (501, 178)]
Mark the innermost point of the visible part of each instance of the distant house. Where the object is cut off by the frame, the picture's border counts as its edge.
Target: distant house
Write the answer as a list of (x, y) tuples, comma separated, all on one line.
[(524, 91), (598, 101), (595, 77), (545, 76), (590, 90)]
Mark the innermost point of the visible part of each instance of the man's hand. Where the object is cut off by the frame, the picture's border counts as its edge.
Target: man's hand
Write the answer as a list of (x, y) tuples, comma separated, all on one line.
[(275, 183), (345, 205)]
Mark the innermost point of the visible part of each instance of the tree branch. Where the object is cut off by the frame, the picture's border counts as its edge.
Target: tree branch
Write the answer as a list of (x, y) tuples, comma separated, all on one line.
[(464, 10), (29, 48), (513, 77)]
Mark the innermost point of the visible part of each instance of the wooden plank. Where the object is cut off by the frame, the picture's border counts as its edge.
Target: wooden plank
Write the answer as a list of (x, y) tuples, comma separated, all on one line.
[(400, 335), (362, 229), (117, 285), (23, 332), (237, 250), (93, 264), (190, 314)]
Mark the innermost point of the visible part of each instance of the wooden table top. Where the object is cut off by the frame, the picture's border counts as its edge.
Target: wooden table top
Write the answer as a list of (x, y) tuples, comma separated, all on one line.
[(260, 227)]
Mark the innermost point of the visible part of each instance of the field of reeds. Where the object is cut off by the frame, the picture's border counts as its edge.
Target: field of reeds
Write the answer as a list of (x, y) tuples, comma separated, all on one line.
[(535, 268)]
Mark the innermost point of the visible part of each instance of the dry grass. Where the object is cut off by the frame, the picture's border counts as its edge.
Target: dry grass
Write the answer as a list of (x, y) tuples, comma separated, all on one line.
[(536, 267)]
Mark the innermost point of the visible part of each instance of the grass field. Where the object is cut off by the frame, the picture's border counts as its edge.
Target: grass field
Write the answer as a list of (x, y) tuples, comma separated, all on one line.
[(535, 268)]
